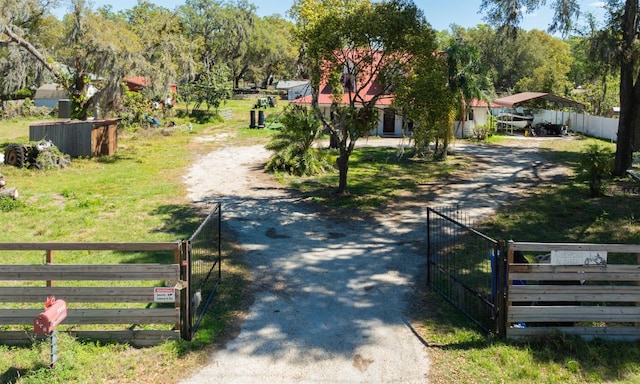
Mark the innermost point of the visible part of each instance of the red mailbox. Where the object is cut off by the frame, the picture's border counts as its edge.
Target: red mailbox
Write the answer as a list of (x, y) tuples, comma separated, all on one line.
[(55, 312)]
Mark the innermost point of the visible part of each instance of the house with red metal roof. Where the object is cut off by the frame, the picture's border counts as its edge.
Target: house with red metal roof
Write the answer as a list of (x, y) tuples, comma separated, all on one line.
[(361, 83)]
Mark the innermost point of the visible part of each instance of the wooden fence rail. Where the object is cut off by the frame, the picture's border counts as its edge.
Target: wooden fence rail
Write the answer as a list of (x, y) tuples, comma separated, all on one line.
[(593, 299), (135, 305)]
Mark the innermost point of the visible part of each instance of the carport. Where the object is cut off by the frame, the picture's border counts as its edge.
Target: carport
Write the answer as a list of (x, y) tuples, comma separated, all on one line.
[(524, 97)]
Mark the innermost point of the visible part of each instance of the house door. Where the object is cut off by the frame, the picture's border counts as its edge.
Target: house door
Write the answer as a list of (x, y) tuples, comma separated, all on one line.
[(389, 123)]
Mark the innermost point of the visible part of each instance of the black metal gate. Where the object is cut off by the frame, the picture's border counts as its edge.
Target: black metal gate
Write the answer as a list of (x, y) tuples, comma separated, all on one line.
[(203, 262), (466, 267)]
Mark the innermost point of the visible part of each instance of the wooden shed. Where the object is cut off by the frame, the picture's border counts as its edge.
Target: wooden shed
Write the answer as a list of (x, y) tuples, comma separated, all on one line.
[(79, 138)]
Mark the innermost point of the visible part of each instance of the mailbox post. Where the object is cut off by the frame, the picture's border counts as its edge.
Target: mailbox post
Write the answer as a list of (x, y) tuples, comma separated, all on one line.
[(46, 322)]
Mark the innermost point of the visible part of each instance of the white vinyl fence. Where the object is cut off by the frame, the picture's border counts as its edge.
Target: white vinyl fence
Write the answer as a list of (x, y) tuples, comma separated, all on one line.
[(601, 127)]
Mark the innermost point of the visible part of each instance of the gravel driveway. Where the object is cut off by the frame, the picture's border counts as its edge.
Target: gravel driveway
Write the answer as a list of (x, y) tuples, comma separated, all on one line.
[(331, 294)]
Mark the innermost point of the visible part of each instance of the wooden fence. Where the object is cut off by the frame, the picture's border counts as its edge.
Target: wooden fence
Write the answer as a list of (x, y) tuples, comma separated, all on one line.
[(590, 290), (154, 298)]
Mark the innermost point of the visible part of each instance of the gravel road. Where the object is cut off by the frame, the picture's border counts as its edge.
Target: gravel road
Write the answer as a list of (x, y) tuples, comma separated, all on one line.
[(331, 294)]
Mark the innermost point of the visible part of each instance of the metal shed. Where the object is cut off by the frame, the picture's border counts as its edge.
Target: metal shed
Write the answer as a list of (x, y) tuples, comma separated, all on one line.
[(524, 97), (79, 138), (511, 101)]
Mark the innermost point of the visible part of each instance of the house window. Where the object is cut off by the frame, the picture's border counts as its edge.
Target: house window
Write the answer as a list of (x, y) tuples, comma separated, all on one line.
[(389, 122), (349, 82), (470, 117), (348, 77)]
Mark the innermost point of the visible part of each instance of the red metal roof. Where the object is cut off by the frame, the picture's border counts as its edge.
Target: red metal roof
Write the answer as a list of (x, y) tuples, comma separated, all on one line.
[(327, 99), (366, 84)]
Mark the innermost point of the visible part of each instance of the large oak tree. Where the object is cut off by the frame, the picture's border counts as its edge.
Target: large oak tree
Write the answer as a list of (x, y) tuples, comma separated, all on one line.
[(623, 23), (93, 50)]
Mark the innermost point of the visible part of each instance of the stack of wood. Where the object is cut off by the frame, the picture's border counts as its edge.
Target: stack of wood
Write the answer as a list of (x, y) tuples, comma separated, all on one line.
[(4, 191)]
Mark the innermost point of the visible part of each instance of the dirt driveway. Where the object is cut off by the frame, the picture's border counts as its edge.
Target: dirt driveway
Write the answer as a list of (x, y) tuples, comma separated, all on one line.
[(332, 294)]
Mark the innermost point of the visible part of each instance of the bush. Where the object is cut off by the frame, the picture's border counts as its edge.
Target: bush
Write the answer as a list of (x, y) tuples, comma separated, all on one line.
[(596, 165), (22, 108), (293, 145), (8, 204)]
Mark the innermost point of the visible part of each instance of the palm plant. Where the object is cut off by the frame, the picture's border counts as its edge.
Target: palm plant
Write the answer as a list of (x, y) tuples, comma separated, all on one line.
[(293, 145)]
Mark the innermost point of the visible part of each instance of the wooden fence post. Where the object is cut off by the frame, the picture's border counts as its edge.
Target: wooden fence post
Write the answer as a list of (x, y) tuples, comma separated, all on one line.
[(49, 260), (637, 324)]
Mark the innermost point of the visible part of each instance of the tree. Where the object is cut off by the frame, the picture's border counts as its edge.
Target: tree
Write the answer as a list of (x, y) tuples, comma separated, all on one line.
[(223, 29), (549, 66), (99, 52), (594, 53), (21, 22), (426, 100), (168, 56), (239, 26), (93, 46), (624, 18), (19, 70), (360, 50), (272, 50), (463, 78), (210, 88)]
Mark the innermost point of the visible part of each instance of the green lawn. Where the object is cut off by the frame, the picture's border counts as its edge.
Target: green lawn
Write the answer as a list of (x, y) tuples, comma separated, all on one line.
[(138, 195), (563, 213)]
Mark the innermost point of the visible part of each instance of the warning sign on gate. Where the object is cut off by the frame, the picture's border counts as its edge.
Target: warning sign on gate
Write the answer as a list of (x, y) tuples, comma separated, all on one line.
[(586, 258), (164, 294)]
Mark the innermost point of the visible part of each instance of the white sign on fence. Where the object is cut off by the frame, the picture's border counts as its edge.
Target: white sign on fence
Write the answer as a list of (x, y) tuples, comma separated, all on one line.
[(164, 294), (579, 258)]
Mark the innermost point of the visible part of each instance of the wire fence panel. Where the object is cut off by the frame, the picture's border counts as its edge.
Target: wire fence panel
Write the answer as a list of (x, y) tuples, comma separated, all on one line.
[(461, 265), (204, 259)]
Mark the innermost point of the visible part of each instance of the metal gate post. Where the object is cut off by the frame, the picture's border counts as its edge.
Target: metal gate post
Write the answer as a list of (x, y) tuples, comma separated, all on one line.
[(428, 246), (219, 229), (185, 292), (501, 291)]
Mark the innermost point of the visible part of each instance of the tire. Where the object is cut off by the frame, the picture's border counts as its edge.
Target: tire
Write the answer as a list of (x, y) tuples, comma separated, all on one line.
[(15, 155)]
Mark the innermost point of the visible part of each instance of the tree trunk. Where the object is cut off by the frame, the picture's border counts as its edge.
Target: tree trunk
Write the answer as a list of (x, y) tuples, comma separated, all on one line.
[(629, 95), (343, 168), (39, 56)]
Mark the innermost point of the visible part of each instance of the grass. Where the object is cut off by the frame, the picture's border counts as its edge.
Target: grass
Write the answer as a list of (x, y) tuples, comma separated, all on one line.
[(135, 195), (17, 130), (461, 354), (563, 213), (138, 195), (376, 177)]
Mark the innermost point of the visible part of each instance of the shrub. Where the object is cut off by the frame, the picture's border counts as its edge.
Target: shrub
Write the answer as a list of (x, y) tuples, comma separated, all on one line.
[(8, 204), (293, 145), (596, 166)]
